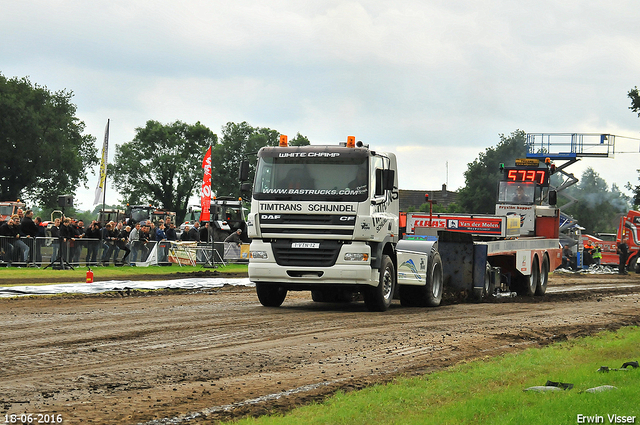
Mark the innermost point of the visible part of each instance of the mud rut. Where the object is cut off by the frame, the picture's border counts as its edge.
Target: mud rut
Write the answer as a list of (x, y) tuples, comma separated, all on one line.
[(204, 356)]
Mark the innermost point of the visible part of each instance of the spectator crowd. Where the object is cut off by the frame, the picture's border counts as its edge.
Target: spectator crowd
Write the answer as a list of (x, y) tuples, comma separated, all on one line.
[(22, 238)]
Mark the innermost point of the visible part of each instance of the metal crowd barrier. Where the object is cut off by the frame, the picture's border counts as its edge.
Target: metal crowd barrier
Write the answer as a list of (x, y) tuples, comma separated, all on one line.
[(192, 253), (78, 252), (48, 251)]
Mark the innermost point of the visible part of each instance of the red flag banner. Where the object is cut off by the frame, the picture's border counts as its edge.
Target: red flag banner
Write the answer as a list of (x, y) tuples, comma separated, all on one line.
[(205, 191)]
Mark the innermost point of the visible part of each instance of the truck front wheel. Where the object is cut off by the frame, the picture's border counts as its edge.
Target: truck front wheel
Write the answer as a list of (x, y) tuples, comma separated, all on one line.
[(270, 295), (481, 293), (379, 298)]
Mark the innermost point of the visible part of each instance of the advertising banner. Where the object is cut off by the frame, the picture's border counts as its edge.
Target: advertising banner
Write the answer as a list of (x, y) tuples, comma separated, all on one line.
[(205, 191)]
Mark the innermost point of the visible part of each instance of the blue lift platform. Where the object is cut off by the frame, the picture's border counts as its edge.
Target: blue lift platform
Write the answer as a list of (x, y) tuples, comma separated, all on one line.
[(570, 146)]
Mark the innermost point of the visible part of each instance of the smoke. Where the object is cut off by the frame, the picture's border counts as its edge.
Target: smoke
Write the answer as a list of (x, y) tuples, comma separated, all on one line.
[(592, 192), (616, 200)]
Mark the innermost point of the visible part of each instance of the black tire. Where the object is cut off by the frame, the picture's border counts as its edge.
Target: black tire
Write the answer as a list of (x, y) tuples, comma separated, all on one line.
[(408, 295), (270, 295), (528, 284), (379, 298), (319, 296), (481, 293), (430, 294), (634, 265), (543, 280), (435, 283)]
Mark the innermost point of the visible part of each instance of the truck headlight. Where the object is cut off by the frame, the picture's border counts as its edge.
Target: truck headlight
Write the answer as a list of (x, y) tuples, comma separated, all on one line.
[(258, 254), (356, 256)]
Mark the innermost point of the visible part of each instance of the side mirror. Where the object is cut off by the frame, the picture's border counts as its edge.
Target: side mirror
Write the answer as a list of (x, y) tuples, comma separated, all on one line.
[(246, 187), (553, 197), (384, 181), (243, 175), (389, 179)]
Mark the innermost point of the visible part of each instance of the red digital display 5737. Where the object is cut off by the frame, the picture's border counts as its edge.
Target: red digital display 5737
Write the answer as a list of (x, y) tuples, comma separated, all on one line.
[(540, 176)]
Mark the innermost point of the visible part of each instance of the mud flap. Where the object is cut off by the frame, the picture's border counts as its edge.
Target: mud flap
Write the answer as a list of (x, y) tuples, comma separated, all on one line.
[(458, 260)]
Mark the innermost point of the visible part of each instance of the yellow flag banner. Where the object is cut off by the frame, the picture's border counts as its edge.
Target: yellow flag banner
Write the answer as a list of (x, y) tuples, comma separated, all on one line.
[(103, 167)]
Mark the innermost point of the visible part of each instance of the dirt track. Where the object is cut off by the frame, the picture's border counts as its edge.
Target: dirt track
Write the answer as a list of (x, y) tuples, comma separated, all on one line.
[(115, 359)]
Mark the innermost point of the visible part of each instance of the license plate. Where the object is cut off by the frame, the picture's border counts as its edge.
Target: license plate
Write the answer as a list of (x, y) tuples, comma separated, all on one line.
[(307, 245)]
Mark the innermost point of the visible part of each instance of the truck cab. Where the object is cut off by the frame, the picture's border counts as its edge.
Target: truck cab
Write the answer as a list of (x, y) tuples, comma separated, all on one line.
[(138, 213), (324, 219), (629, 233), (227, 214)]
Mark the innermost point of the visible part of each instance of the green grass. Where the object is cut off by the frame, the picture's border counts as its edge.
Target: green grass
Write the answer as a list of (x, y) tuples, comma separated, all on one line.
[(490, 391), (8, 276)]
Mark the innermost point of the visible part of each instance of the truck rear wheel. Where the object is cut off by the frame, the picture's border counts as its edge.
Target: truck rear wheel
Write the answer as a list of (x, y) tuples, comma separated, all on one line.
[(270, 295), (541, 288), (528, 284), (432, 292), (481, 293), (429, 295), (379, 298)]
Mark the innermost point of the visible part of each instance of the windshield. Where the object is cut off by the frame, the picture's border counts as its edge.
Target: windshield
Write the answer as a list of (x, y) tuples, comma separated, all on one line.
[(228, 213), (6, 209), (139, 214), (516, 193), (194, 215), (340, 175)]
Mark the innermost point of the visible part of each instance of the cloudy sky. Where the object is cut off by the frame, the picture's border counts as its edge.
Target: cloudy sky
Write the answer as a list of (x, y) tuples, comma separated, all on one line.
[(435, 81)]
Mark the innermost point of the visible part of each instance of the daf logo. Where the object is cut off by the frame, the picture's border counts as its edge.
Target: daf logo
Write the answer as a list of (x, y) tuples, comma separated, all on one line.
[(270, 216), (347, 218)]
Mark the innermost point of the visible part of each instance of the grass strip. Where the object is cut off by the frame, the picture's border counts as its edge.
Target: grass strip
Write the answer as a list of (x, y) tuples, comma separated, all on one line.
[(490, 390), (21, 276)]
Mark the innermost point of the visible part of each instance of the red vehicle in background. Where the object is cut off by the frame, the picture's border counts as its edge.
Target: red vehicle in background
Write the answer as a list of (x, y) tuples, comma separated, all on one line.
[(628, 232), (8, 208)]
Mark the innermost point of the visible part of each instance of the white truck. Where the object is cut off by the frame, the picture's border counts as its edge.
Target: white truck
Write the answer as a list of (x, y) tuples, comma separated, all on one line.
[(325, 219)]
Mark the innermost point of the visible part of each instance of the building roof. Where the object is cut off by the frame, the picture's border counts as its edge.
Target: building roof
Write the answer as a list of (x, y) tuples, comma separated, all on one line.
[(415, 198)]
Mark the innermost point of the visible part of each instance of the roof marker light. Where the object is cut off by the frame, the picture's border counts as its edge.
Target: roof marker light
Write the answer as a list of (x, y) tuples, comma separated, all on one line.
[(351, 141)]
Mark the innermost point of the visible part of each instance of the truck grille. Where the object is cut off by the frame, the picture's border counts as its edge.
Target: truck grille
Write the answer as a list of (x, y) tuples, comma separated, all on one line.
[(324, 256), (276, 225)]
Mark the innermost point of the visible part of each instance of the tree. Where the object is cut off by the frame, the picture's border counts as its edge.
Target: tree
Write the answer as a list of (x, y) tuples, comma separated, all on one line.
[(635, 100), (636, 192), (634, 95), (598, 207), (44, 153), (162, 165), (482, 176), (239, 141), (441, 209), (299, 140)]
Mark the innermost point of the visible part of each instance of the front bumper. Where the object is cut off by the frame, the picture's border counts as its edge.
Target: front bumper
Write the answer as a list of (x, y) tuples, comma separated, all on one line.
[(341, 273)]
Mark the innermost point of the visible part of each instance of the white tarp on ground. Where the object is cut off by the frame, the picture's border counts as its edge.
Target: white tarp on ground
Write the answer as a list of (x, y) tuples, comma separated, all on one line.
[(121, 285), (593, 269)]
